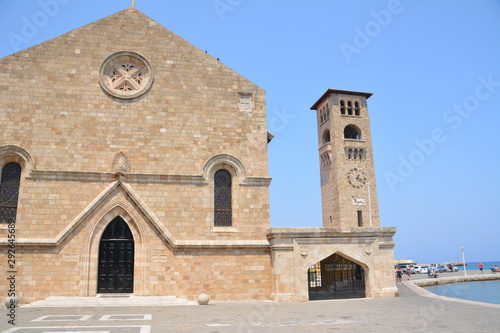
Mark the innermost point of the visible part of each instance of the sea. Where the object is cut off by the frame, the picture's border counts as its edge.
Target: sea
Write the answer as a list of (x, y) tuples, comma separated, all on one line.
[(479, 291), (487, 266)]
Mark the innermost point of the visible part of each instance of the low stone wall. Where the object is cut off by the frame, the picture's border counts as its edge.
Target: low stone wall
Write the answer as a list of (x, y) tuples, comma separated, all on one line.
[(456, 279)]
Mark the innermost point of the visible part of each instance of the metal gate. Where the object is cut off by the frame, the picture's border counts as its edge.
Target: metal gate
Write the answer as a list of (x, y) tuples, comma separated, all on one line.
[(116, 259), (335, 278)]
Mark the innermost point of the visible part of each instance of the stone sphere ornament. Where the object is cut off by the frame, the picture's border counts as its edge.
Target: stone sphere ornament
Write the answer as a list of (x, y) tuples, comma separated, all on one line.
[(203, 299), (11, 301)]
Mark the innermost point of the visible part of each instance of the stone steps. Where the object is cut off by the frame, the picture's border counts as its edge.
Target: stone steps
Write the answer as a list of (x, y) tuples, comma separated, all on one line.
[(110, 300)]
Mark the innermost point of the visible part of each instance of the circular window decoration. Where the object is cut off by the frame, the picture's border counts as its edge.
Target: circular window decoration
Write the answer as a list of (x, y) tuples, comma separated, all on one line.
[(126, 75)]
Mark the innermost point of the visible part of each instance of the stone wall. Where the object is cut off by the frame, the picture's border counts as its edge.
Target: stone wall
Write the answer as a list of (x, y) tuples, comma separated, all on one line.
[(89, 155)]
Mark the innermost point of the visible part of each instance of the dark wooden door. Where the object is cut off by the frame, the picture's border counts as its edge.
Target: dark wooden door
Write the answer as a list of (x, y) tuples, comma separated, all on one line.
[(116, 259)]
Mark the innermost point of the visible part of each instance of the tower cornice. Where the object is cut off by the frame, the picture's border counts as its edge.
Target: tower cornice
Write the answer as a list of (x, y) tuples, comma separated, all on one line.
[(337, 91)]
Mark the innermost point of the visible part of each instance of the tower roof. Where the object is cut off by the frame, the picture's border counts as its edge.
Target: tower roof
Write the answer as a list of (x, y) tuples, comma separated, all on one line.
[(337, 91)]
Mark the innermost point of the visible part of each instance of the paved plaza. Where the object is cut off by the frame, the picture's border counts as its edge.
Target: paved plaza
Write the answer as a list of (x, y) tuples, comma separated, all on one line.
[(416, 310)]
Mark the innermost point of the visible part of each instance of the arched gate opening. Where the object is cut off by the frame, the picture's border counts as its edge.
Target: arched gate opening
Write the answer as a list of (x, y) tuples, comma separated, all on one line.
[(336, 278)]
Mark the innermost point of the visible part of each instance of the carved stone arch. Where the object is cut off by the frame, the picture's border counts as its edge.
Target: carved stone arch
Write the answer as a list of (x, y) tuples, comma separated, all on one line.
[(224, 161), (116, 207), (13, 153), (341, 252)]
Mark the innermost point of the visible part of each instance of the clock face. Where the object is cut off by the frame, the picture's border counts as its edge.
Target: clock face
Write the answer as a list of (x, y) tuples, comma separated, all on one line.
[(356, 178)]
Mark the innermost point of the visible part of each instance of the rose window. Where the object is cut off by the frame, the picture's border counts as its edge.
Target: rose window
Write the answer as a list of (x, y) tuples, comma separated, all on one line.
[(126, 75)]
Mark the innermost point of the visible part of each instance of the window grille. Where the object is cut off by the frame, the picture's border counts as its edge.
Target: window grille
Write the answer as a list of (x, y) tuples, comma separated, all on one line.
[(222, 199), (9, 191)]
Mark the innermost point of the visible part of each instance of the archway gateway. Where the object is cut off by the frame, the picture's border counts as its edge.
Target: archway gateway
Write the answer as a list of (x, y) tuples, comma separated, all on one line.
[(116, 259), (336, 278)]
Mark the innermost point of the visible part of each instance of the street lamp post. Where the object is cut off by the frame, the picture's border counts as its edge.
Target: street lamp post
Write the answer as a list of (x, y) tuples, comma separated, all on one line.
[(463, 260)]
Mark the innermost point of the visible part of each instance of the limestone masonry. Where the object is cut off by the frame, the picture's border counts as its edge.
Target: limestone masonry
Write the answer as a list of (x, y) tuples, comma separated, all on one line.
[(134, 163)]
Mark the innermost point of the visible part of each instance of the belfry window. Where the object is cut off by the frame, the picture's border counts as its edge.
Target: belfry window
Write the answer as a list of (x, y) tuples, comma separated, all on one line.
[(324, 114), (349, 108), (222, 199), (9, 192), (351, 132), (326, 136)]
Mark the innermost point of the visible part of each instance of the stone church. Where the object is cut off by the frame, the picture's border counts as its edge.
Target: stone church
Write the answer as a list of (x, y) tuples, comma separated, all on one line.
[(133, 163)]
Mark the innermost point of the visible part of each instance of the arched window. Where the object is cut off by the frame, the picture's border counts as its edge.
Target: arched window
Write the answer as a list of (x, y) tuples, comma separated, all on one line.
[(9, 191), (326, 136), (327, 115), (342, 107), (222, 199), (351, 132), (356, 109), (349, 108)]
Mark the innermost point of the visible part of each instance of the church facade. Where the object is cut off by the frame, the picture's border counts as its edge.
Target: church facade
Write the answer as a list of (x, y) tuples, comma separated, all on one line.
[(134, 163)]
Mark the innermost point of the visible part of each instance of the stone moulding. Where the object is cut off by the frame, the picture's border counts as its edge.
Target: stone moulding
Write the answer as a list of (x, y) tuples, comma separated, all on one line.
[(329, 232), (284, 238), (47, 175), (70, 176)]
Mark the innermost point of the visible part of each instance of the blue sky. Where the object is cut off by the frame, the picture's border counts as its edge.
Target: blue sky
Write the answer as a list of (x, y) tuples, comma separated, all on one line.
[(434, 70)]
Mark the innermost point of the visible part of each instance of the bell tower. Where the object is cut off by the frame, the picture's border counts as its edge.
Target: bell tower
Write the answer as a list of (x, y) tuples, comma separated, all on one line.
[(348, 189)]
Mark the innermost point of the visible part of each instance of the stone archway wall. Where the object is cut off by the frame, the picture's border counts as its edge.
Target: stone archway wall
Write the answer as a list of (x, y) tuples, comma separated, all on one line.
[(294, 250)]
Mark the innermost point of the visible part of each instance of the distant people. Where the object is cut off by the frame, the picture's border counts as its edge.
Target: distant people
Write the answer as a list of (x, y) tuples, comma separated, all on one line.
[(408, 272), (399, 275), (432, 273), (480, 265), (496, 268)]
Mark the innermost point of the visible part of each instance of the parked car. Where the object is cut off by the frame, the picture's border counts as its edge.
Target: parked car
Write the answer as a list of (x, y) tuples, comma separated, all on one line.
[(420, 269), (441, 269)]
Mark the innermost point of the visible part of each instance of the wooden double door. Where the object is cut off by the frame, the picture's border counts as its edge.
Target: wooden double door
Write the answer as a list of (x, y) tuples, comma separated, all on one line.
[(116, 259)]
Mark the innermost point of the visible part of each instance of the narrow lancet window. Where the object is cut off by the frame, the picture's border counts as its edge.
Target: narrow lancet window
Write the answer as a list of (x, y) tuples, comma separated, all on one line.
[(9, 192), (222, 199)]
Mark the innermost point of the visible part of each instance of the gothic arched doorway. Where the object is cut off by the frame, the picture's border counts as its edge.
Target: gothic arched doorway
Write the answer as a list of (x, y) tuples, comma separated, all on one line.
[(334, 278), (116, 259)]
